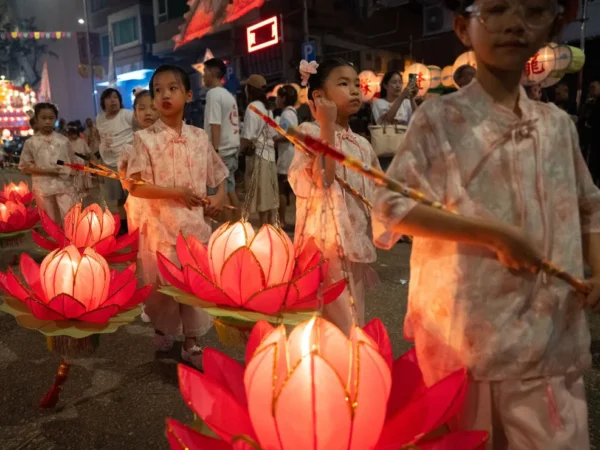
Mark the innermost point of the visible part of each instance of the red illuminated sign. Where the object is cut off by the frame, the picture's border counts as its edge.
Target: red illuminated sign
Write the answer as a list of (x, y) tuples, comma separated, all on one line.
[(263, 34)]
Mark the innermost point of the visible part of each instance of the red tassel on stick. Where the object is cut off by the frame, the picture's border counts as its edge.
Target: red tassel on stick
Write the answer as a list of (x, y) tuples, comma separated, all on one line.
[(51, 398)]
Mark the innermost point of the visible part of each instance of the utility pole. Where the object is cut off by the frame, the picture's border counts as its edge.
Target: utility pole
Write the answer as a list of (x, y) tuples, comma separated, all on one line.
[(89, 52)]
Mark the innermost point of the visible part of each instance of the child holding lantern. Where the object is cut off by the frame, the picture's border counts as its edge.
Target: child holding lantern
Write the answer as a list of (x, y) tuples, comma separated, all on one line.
[(180, 163), (339, 222), (513, 169), (53, 186)]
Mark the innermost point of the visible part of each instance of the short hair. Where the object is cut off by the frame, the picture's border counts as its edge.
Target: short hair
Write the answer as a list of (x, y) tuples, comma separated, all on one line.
[(462, 70), (37, 109), (219, 65), (140, 95), (107, 93), (289, 93), (179, 73)]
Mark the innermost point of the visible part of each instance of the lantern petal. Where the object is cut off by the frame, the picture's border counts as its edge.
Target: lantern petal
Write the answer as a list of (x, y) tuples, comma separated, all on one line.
[(58, 271), (67, 306), (121, 257), (305, 258), (43, 312), (434, 408), (181, 437), (308, 282), (369, 418), (376, 331), (127, 240), (92, 280), (331, 293), (192, 252), (226, 372), (273, 299), (101, 315), (122, 296), (138, 297), (53, 230), (274, 251), (322, 416), (118, 280), (407, 382), (117, 224), (171, 272), (214, 405), (205, 289), (463, 440), (43, 242), (16, 289), (223, 242), (243, 276), (31, 273), (259, 332), (105, 246)]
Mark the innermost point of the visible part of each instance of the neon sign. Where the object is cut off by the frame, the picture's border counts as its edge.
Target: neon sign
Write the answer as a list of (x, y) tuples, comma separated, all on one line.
[(258, 32)]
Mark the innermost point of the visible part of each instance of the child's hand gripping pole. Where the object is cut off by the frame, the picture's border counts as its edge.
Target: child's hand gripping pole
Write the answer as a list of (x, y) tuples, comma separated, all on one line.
[(109, 173), (316, 146)]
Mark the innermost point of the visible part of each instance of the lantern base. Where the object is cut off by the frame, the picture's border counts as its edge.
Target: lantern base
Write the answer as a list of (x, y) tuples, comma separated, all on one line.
[(232, 332), (69, 347)]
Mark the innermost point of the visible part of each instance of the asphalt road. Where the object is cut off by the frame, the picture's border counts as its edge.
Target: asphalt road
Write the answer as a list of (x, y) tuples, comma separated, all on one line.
[(118, 398)]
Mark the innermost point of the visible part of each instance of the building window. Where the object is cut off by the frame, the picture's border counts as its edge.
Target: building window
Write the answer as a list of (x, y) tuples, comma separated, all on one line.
[(162, 11), (97, 5), (170, 9), (125, 31), (105, 43)]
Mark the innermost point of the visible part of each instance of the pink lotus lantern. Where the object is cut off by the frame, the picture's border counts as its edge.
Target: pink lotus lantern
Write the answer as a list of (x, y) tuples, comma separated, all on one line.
[(74, 285), (89, 227), (259, 272), (16, 192), (15, 216), (318, 389)]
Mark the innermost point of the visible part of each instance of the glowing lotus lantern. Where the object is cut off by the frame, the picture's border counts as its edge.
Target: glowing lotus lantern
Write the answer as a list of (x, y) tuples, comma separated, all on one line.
[(17, 192), (89, 227), (436, 76), (423, 77), (447, 76), (368, 85), (539, 67), (346, 384), (15, 217), (71, 285), (240, 269)]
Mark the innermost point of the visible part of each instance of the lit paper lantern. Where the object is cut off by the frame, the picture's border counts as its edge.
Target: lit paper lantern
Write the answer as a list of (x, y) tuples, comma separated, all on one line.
[(15, 216), (89, 227), (240, 269), (346, 383), (17, 192), (436, 76), (568, 60), (368, 85), (539, 67), (74, 285), (447, 76), (423, 77)]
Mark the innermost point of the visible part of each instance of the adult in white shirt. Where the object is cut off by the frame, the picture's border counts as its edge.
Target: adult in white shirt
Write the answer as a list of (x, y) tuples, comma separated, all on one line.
[(221, 123), (115, 126), (287, 97), (396, 105), (259, 147)]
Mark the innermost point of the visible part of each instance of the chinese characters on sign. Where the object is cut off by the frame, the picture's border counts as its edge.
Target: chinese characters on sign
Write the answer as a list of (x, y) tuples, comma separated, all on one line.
[(533, 66)]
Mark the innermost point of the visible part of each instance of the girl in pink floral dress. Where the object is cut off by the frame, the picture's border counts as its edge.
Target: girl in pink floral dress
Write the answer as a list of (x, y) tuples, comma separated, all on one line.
[(513, 169), (324, 210), (180, 163)]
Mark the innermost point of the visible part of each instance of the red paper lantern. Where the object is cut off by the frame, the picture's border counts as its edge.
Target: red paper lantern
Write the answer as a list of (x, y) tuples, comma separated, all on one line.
[(258, 272), (74, 285), (318, 389), (15, 216), (90, 227), (16, 192)]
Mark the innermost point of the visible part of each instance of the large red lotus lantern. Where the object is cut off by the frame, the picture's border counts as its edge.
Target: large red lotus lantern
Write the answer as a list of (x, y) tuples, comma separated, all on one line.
[(74, 285), (319, 389), (15, 217), (16, 192), (90, 227), (259, 272)]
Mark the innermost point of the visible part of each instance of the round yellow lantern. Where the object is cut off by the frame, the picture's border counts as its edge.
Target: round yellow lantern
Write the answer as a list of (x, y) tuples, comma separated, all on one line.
[(447, 76), (368, 85), (423, 77), (539, 67), (467, 58), (436, 76)]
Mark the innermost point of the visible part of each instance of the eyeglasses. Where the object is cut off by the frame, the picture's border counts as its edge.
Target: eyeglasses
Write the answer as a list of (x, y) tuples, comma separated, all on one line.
[(495, 15)]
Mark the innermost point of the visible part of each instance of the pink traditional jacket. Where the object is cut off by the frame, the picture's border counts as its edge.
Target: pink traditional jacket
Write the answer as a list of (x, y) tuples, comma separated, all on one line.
[(481, 160)]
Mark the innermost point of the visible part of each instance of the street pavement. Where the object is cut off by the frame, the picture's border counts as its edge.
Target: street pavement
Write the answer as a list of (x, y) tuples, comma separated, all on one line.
[(119, 397)]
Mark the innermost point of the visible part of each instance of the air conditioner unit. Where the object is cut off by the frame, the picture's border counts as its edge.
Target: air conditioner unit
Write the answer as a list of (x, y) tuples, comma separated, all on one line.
[(437, 19)]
